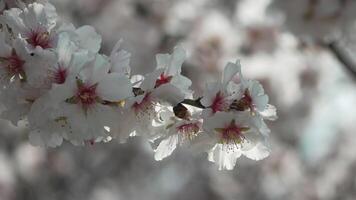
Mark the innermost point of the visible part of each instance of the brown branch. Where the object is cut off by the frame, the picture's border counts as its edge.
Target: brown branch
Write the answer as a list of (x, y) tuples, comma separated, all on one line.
[(342, 55), (195, 103)]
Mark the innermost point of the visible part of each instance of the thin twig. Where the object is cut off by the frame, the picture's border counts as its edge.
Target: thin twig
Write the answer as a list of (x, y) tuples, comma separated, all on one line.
[(195, 103), (342, 55)]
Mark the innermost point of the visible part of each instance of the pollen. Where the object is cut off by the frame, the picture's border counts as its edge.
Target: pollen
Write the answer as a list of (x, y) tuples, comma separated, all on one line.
[(232, 134), (60, 75)]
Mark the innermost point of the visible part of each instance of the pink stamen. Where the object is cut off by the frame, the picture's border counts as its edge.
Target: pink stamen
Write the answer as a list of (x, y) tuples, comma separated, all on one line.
[(163, 79), (189, 128), (40, 38), (231, 132), (143, 105), (87, 95), (60, 76), (219, 103), (14, 64)]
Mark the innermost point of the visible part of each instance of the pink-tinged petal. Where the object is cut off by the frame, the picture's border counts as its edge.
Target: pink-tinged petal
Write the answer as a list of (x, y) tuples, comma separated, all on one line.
[(150, 80)]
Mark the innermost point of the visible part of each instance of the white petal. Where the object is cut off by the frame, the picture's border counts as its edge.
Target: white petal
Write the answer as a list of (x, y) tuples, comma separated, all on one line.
[(11, 17), (178, 58), (261, 102), (45, 139), (150, 80), (114, 87), (166, 147), (94, 70), (224, 159), (169, 93), (259, 152), (65, 50), (230, 71), (89, 38), (5, 49), (183, 83), (269, 113)]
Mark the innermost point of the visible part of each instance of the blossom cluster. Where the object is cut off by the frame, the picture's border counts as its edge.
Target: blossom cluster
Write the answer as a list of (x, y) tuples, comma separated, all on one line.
[(54, 80)]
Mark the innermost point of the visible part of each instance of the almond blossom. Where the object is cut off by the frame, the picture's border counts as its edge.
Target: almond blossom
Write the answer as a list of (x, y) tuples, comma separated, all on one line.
[(54, 79), (234, 134)]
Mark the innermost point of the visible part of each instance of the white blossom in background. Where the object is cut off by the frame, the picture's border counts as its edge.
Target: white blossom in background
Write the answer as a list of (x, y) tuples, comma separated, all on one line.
[(315, 19), (54, 80)]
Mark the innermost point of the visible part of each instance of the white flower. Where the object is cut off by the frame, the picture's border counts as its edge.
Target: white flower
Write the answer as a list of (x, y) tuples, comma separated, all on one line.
[(84, 101), (172, 66), (163, 87), (253, 98), (234, 134), (36, 24), (177, 131), (218, 96), (12, 60), (46, 129), (316, 19)]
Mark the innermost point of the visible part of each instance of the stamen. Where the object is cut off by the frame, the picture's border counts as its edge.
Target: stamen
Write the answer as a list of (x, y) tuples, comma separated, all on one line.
[(232, 135), (163, 79), (40, 38), (189, 130), (219, 103)]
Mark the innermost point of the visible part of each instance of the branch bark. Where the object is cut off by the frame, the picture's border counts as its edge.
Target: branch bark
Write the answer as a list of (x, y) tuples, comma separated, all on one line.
[(342, 55)]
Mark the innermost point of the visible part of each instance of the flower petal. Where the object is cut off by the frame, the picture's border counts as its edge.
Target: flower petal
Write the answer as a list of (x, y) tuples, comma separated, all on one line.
[(166, 147), (114, 87)]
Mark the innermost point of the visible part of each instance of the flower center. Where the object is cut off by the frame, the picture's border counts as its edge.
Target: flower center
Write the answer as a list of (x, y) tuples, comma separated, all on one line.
[(189, 130), (219, 103), (232, 133), (145, 107), (163, 79), (87, 95), (40, 38), (246, 102), (13, 65)]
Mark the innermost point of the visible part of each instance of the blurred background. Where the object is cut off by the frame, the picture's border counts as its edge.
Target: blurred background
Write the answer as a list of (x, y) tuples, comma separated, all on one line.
[(313, 141)]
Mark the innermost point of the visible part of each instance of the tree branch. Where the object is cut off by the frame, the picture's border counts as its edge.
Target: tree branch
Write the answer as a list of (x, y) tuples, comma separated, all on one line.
[(343, 57), (195, 103)]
